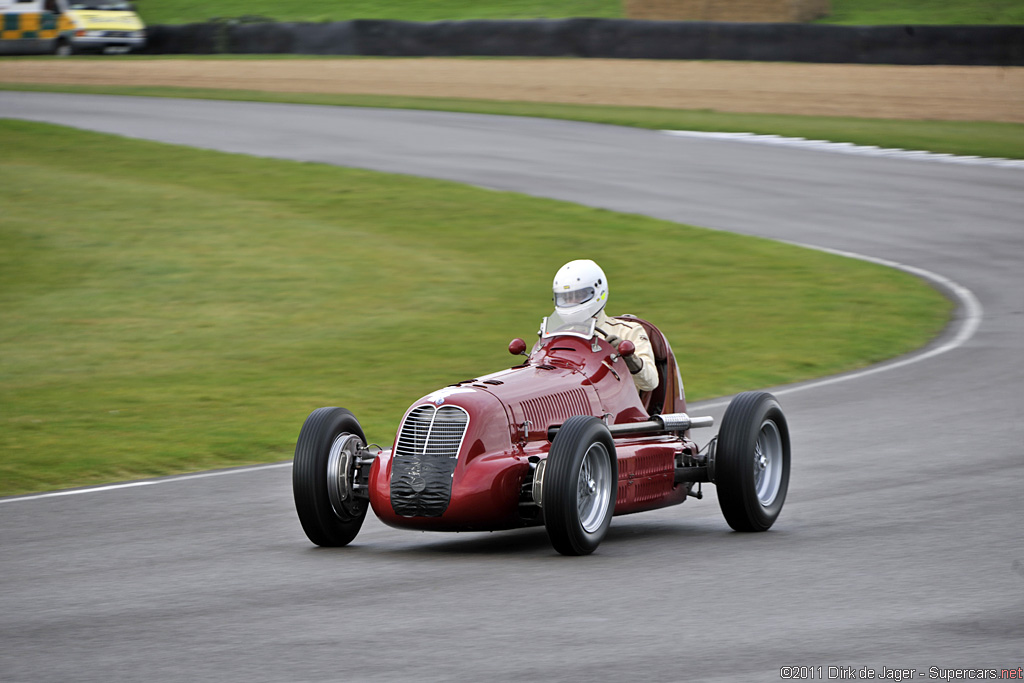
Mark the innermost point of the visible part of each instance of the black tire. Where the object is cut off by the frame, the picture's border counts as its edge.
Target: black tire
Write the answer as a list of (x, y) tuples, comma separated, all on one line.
[(580, 486), (63, 48), (323, 524), (752, 461)]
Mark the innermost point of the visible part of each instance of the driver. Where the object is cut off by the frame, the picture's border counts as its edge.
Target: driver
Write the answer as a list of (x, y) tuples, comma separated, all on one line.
[(581, 292)]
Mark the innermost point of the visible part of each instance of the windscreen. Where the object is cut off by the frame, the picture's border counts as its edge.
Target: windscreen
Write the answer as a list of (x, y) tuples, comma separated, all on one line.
[(553, 325)]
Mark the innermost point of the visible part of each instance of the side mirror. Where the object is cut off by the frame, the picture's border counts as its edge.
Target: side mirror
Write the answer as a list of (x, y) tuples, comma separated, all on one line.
[(517, 347), (626, 348)]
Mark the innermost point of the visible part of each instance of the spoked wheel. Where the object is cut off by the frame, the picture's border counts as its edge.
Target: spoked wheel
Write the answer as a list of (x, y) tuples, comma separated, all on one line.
[(580, 485), (322, 477), (752, 461)]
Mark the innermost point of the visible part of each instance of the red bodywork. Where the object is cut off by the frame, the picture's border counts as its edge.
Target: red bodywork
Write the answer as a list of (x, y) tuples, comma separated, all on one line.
[(509, 413)]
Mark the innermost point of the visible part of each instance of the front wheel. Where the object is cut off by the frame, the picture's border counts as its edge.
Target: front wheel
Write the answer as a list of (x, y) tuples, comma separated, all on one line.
[(580, 486), (752, 461), (321, 473)]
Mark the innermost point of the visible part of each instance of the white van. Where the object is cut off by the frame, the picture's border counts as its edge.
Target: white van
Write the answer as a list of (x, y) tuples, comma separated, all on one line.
[(64, 27)]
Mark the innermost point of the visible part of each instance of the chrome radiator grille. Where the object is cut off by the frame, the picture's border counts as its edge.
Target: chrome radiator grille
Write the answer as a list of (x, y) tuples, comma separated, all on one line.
[(432, 432), (426, 453)]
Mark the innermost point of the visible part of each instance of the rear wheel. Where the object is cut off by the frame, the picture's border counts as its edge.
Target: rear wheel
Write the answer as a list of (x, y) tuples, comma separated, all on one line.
[(321, 477), (752, 461), (580, 486)]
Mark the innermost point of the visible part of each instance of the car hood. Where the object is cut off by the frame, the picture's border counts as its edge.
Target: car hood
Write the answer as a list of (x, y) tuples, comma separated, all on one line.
[(539, 396)]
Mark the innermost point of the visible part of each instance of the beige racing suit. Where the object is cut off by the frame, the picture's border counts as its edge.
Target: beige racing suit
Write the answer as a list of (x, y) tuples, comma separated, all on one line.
[(646, 379)]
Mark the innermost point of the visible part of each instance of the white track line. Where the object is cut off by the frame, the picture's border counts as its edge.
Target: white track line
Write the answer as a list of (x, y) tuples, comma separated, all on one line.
[(969, 322), (145, 482), (850, 148), (968, 325)]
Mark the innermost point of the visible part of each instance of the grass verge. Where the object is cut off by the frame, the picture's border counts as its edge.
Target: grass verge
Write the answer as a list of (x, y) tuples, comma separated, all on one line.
[(943, 12), (857, 12), (188, 11), (165, 309), (978, 138)]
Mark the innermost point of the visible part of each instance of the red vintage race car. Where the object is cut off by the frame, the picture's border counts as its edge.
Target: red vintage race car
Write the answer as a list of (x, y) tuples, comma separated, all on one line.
[(563, 439)]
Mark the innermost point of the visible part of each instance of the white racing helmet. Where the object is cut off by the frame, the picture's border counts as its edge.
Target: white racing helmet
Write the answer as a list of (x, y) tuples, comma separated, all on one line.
[(580, 290)]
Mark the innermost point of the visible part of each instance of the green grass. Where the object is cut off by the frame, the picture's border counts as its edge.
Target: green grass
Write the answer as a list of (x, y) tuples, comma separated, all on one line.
[(980, 138), (855, 12), (165, 309), (187, 11), (887, 12)]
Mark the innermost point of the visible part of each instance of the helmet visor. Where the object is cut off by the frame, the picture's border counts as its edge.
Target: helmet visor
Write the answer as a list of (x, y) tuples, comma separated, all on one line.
[(573, 297)]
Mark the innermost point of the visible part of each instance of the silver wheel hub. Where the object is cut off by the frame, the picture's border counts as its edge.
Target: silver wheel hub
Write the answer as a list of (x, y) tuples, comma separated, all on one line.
[(340, 462), (594, 487), (768, 463)]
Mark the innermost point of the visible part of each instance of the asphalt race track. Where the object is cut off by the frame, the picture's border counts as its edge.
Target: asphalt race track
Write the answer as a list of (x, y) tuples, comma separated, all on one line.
[(900, 547)]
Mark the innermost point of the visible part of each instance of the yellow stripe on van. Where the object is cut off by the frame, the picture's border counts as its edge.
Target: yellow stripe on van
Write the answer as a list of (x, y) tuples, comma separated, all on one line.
[(28, 25), (29, 22)]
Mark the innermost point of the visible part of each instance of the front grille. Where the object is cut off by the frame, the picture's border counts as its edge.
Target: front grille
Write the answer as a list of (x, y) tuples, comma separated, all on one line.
[(432, 432), (426, 453)]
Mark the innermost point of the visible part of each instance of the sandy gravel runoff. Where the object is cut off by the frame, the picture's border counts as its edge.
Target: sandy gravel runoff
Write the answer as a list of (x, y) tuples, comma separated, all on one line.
[(906, 92)]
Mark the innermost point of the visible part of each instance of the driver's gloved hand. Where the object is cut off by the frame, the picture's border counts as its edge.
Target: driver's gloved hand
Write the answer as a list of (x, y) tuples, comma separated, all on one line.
[(634, 364)]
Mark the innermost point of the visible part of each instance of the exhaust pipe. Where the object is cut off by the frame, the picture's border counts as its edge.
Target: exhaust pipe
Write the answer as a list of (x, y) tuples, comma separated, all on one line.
[(670, 422)]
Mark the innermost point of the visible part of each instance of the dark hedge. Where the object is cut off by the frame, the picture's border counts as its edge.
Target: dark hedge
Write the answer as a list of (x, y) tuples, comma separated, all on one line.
[(611, 38)]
